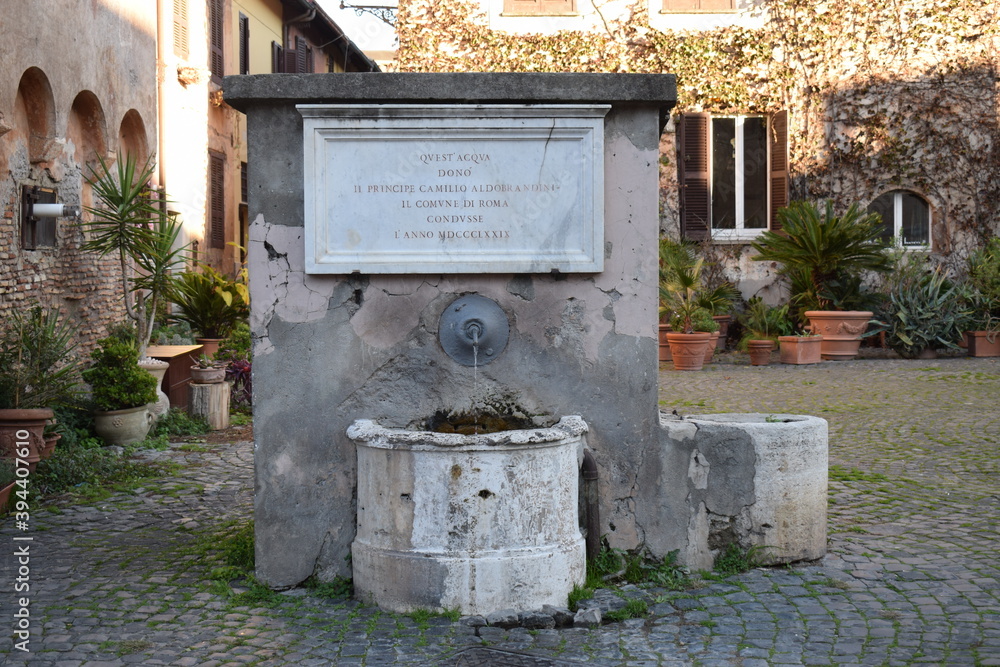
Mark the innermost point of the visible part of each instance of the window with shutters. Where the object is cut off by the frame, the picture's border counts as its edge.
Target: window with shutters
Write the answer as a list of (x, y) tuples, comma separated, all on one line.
[(277, 58), (216, 200), (732, 174), (37, 232), (181, 28), (244, 45), (706, 6), (217, 59), (539, 7), (906, 217)]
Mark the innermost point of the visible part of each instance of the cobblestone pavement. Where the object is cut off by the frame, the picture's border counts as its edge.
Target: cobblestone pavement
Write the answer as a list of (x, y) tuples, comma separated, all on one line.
[(912, 577)]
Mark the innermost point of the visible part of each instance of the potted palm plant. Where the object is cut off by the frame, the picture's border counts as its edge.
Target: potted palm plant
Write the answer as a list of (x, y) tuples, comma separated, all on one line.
[(691, 324), (38, 369), (823, 257), (210, 304), (121, 392), (763, 325)]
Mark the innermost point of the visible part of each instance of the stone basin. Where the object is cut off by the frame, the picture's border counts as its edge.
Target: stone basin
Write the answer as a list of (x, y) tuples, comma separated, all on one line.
[(477, 523)]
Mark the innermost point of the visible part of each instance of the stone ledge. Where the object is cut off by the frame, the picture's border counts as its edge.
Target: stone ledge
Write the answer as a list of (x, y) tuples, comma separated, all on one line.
[(451, 88)]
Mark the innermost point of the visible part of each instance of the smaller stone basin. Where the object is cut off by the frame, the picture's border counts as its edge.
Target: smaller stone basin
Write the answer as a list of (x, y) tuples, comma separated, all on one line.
[(477, 523), (763, 478)]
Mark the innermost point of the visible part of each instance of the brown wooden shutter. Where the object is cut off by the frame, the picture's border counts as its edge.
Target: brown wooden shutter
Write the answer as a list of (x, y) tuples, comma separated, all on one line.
[(244, 45), (217, 59), (181, 28), (291, 61), (301, 56), (217, 200), (693, 142), (779, 166)]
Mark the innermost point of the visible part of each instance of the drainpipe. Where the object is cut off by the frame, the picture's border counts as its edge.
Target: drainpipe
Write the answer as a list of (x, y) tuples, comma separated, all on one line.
[(164, 40), (309, 15), (591, 507)]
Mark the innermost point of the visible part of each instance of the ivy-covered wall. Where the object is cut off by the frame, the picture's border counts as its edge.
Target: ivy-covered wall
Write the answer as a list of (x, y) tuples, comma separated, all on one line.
[(881, 94)]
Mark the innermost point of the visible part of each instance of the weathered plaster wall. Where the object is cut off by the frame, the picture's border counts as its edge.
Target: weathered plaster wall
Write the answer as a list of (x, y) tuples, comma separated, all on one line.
[(332, 349), (92, 72)]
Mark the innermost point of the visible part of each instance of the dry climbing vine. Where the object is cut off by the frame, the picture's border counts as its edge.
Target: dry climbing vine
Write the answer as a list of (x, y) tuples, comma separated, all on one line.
[(894, 93)]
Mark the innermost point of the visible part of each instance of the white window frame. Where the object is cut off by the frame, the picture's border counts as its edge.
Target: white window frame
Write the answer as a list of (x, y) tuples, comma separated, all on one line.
[(739, 233), (897, 220)]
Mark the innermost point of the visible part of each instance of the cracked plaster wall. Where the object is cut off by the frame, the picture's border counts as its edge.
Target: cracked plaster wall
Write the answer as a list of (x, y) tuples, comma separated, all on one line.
[(332, 349)]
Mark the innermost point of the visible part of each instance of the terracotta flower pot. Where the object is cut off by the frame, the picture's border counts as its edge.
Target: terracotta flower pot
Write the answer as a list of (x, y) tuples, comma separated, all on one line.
[(760, 352), (209, 346), (213, 375), (841, 331), (800, 349), (5, 496), (712, 345), (983, 343), (664, 345), (688, 350), (723, 322), (23, 429), (50, 445)]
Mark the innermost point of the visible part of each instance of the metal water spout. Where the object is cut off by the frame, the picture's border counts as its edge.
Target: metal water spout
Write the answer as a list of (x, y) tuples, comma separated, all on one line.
[(473, 330)]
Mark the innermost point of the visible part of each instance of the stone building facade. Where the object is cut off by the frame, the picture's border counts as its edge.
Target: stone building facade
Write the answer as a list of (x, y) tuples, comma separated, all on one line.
[(891, 105)]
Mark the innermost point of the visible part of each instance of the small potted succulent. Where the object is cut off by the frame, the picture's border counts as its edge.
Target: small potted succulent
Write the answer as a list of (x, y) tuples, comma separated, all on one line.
[(207, 371), (121, 392)]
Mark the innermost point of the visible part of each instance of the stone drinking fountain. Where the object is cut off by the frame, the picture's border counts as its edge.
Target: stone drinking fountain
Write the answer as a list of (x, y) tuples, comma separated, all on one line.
[(426, 244)]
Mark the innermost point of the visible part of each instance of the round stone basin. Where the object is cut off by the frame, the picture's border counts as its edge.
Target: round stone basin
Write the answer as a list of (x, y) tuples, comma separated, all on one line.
[(477, 523), (787, 519)]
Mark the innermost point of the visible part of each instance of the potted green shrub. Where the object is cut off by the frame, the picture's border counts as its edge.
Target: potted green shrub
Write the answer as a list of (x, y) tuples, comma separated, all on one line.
[(923, 311), (984, 300), (763, 325), (691, 324), (38, 369), (823, 257), (121, 392)]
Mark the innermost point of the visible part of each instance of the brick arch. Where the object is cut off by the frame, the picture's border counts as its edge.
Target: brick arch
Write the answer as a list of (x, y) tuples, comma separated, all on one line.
[(132, 136), (87, 129), (35, 115)]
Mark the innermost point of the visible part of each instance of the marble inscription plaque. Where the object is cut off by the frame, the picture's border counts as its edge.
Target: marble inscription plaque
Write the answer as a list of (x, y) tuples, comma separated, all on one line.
[(459, 189)]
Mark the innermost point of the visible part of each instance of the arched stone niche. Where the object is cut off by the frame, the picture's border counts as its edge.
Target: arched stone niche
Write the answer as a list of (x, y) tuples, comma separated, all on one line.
[(87, 130), (132, 136), (34, 115)]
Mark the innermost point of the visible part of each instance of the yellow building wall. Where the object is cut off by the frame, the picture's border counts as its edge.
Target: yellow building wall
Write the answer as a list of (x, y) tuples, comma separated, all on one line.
[(265, 27)]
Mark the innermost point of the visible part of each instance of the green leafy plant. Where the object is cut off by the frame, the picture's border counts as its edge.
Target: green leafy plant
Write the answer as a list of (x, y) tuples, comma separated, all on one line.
[(763, 322), (237, 345), (823, 255), (678, 260), (209, 302), (37, 363), (7, 474), (115, 377), (983, 296), (144, 238), (923, 312), (680, 293)]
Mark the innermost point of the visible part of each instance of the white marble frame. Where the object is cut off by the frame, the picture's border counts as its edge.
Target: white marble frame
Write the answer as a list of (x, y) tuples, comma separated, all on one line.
[(349, 146)]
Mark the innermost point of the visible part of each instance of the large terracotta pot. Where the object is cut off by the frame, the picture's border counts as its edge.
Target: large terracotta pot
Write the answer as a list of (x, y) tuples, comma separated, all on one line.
[(983, 343), (22, 429), (664, 345), (209, 346), (712, 345), (760, 352), (800, 349), (123, 427), (841, 331), (688, 350)]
